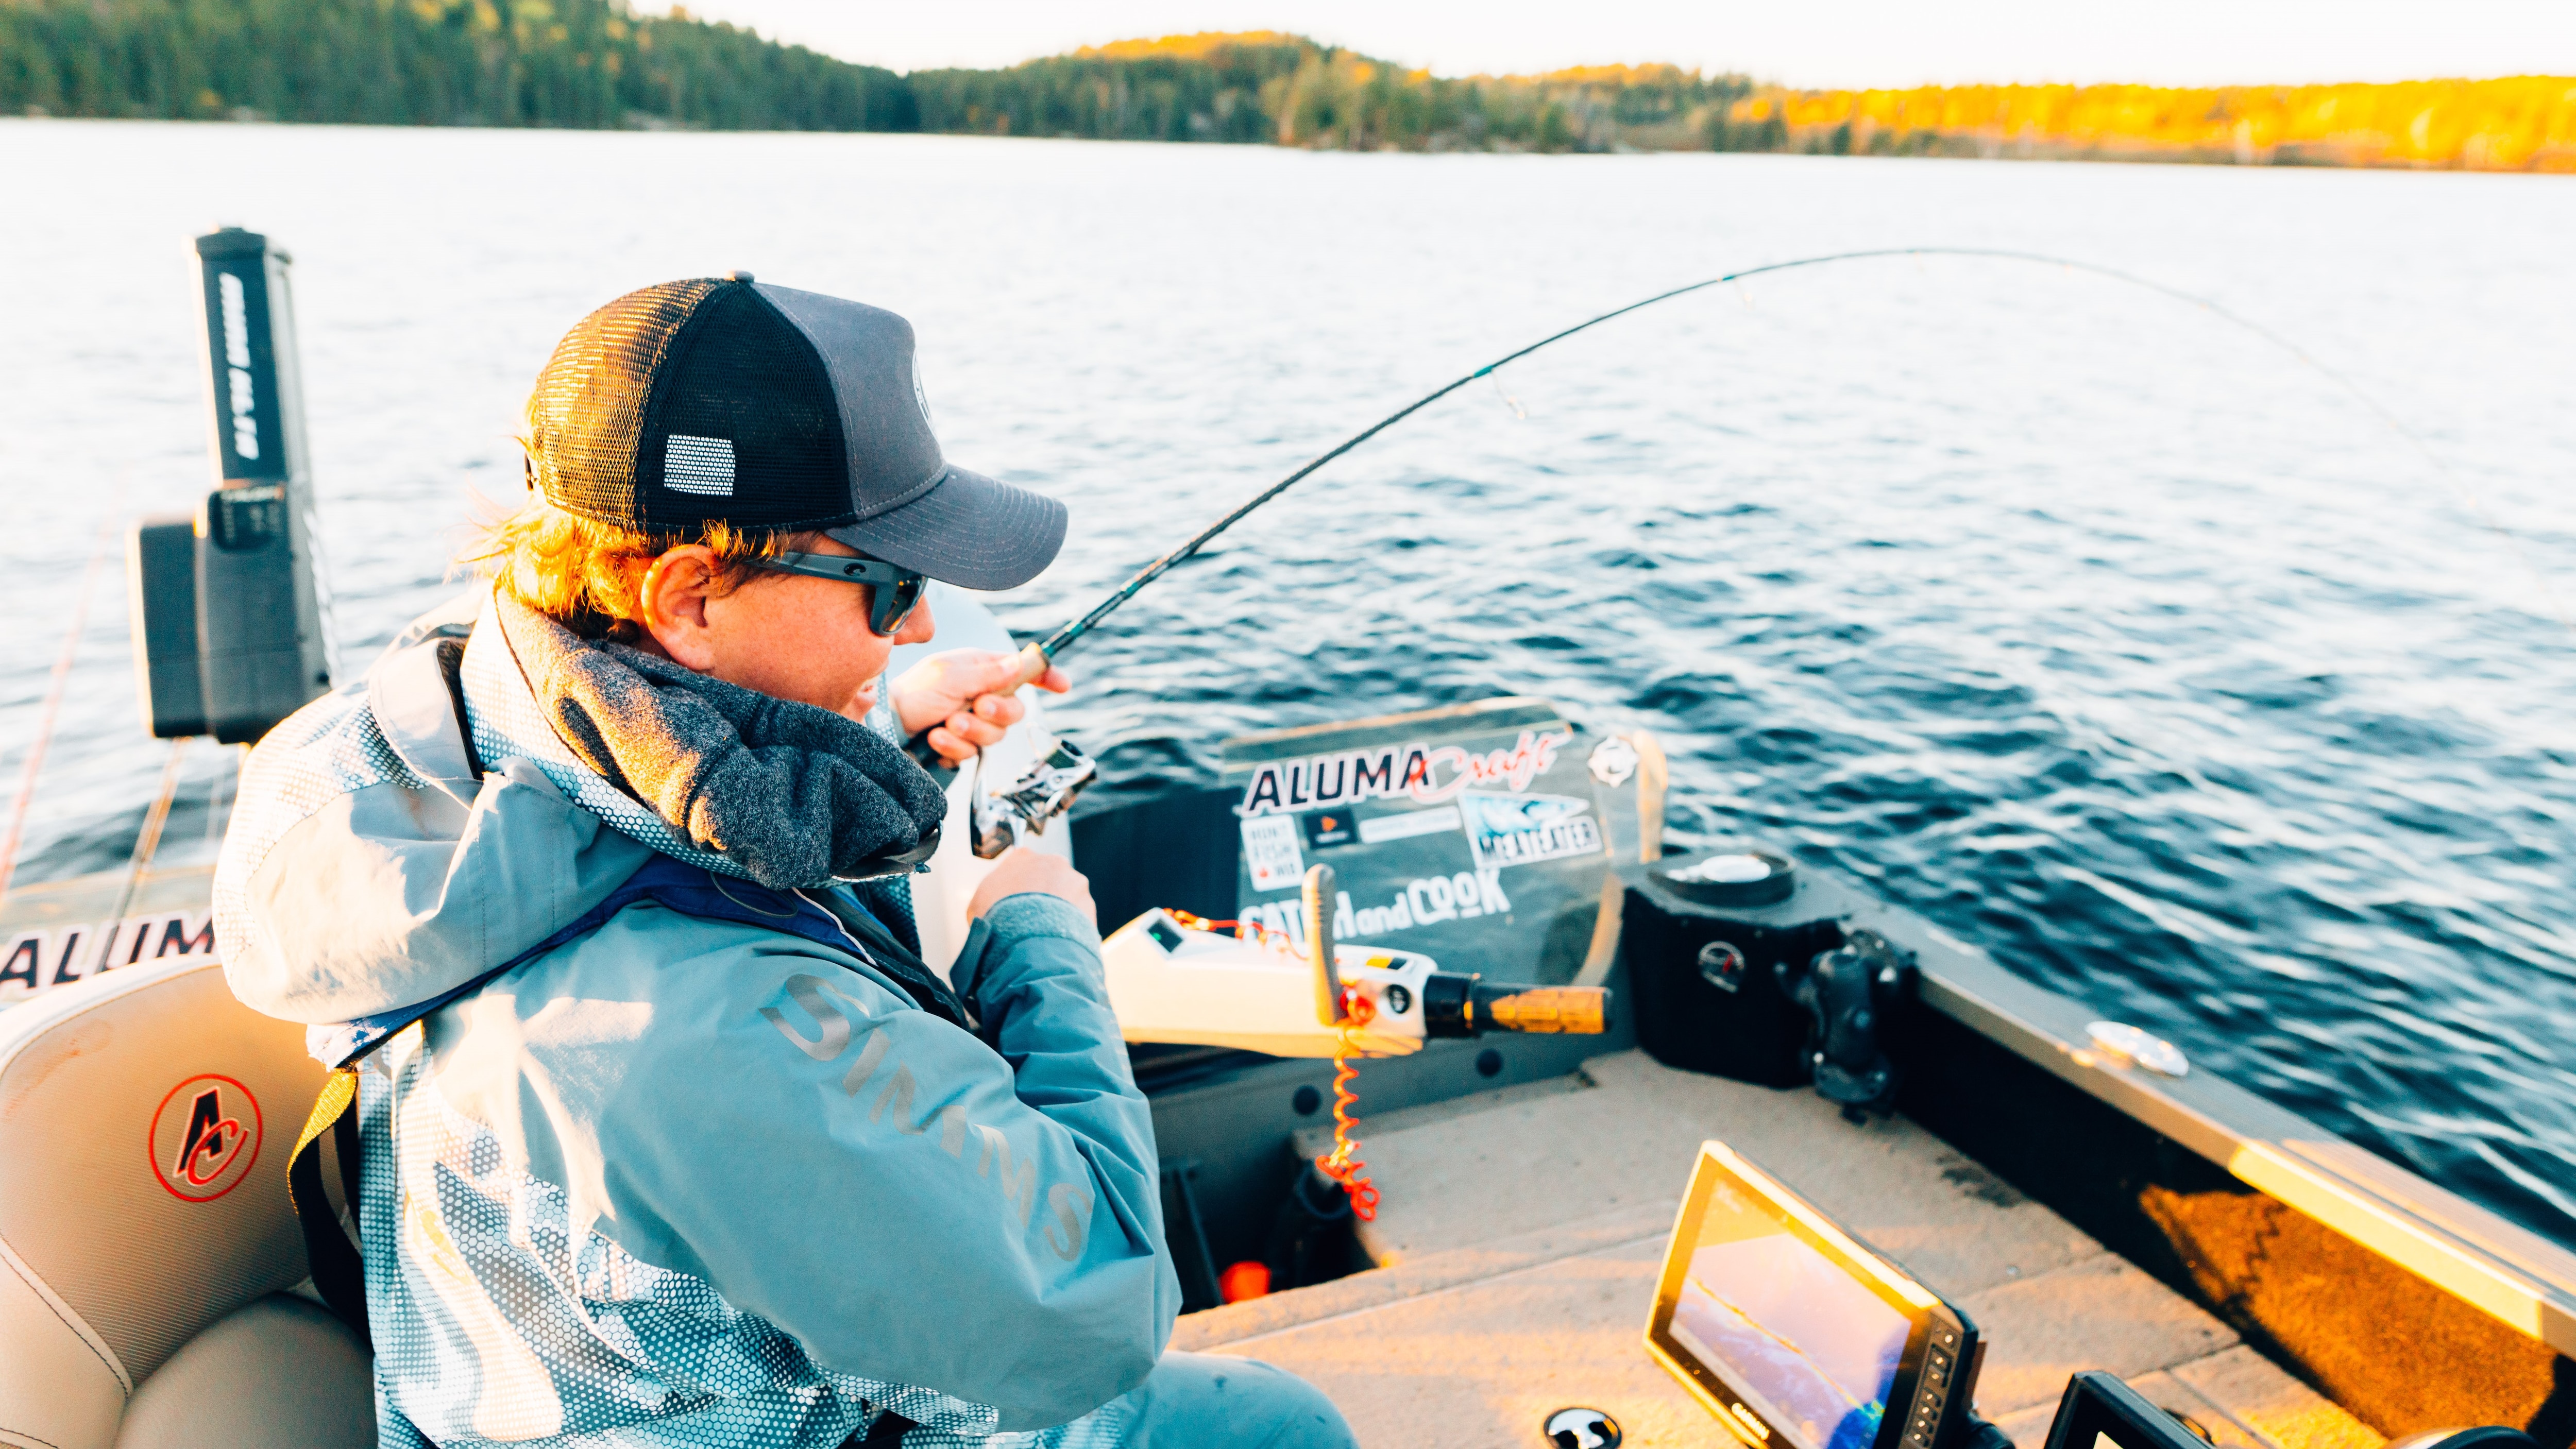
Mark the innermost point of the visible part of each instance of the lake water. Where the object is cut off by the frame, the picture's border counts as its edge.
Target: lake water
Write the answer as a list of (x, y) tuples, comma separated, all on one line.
[(2101, 631)]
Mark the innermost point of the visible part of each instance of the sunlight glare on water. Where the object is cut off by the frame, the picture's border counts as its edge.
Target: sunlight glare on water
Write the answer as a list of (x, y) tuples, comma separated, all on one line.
[(2107, 635)]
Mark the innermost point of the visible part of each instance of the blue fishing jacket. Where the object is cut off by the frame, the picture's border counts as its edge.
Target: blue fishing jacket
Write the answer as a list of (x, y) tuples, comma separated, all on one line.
[(698, 1169)]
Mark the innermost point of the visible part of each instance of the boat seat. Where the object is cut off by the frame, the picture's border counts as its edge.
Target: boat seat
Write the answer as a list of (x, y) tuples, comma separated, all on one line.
[(148, 1253)]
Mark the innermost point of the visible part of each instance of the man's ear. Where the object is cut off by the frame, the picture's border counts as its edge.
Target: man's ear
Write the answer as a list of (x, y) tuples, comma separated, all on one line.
[(673, 600)]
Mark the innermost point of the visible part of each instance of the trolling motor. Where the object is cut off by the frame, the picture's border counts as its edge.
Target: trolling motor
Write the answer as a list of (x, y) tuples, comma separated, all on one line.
[(1847, 993), (232, 624)]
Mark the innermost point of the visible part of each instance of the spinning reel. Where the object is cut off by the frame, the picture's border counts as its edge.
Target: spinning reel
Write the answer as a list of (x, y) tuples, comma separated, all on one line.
[(1006, 815)]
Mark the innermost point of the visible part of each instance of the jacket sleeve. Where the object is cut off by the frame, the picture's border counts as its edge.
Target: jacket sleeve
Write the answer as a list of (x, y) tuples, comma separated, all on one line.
[(909, 1203)]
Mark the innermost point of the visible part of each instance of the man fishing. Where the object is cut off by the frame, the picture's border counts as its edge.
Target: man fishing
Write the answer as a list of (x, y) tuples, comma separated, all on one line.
[(667, 1134)]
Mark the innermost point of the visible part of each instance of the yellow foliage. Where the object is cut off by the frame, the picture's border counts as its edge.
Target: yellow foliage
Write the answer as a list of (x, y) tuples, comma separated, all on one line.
[(2516, 123), (1611, 76), (1188, 47)]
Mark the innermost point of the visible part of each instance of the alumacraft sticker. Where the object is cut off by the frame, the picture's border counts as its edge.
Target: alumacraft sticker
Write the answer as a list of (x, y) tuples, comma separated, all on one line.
[(205, 1137), (1526, 829), (1425, 774), (38, 961)]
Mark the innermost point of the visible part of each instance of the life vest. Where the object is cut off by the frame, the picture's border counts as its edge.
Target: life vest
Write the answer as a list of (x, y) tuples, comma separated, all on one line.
[(339, 1271)]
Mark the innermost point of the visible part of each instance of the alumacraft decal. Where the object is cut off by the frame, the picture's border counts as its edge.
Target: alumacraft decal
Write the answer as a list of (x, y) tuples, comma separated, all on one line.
[(1070, 1202), (38, 961), (204, 1137), (1526, 829), (1424, 902), (1414, 771)]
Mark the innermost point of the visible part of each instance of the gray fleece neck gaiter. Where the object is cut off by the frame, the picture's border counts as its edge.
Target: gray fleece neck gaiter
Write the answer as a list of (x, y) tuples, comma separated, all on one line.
[(795, 795)]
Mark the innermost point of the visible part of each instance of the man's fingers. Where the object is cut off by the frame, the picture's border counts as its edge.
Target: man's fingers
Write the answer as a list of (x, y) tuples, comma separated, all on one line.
[(978, 686), (1001, 672), (1020, 870), (948, 747), (979, 732)]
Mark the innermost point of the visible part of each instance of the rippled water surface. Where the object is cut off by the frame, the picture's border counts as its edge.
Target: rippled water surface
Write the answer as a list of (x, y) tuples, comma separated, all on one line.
[(2102, 631)]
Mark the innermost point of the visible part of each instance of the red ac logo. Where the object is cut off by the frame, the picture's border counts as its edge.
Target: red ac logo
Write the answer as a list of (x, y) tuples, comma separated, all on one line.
[(205, 1137)]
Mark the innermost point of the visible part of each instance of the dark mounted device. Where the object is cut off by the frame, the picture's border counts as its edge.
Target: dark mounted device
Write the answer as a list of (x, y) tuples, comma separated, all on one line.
[(231, 633), (1747, 967), (1850, 995), (1795, 1334)]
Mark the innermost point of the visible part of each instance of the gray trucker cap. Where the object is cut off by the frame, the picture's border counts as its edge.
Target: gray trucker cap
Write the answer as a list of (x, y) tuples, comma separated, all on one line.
[(730, 401)]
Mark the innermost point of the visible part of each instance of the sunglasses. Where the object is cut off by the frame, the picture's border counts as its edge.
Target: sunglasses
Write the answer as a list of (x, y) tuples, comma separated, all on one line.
[(897, 590)]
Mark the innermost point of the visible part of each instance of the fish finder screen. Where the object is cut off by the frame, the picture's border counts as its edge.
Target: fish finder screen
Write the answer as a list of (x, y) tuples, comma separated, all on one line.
[(1810, 1346)]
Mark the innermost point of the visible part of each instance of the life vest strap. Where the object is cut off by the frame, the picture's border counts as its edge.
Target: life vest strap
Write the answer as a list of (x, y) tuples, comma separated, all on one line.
[(339, 1272)]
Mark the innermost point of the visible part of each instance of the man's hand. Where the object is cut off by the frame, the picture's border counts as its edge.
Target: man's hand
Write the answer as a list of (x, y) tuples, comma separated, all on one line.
[(1022, 870), (965, 698)]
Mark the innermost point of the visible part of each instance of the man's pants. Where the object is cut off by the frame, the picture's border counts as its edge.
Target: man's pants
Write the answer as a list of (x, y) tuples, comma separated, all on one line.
[(1189, 1401), (1194, 1399)]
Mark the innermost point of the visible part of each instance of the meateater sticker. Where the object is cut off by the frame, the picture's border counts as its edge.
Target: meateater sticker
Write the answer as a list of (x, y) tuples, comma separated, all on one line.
[(205, 1137), (1525, 829)]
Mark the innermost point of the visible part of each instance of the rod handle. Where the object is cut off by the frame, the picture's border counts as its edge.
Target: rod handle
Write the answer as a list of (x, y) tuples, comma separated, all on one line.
[(1549, 1010), (1033, 664)]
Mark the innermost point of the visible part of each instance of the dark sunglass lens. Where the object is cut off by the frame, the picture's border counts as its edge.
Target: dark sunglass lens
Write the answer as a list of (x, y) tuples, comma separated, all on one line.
[(895, 603)]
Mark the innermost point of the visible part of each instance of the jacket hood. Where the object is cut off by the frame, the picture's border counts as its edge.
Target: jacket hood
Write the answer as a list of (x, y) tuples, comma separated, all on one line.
[(368, 868)]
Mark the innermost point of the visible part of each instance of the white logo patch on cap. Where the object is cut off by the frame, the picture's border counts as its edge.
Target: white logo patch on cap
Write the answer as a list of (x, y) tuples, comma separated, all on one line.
[(698, 465)]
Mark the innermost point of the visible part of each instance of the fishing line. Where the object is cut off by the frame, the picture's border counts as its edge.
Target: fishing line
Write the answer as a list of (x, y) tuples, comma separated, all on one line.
[(54, 690), (1065, 637)]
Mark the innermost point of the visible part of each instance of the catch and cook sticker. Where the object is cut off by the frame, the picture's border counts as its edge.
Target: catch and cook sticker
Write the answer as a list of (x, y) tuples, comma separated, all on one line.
[(205, 1137)]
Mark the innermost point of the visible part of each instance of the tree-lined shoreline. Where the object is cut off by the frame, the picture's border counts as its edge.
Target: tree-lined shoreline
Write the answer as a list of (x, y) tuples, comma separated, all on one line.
[(598, 64)]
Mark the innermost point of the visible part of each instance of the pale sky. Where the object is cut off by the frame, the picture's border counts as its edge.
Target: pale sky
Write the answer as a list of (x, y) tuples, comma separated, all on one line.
[(1843, 43)]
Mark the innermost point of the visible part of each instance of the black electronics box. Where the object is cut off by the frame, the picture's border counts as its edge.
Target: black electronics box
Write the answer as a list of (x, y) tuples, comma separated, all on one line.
[(1701, 951)]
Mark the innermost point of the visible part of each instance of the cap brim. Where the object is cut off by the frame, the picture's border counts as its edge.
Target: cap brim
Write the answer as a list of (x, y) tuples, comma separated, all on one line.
[(969, 530)]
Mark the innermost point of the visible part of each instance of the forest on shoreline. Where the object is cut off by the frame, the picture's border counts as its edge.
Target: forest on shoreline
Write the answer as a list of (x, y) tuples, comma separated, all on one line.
[(601, 64)]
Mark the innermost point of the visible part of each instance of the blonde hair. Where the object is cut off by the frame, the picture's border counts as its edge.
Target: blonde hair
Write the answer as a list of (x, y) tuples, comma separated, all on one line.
[(588, 575)]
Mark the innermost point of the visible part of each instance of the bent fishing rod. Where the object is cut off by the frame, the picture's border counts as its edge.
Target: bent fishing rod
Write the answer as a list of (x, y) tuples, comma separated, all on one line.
[(1035, 657)]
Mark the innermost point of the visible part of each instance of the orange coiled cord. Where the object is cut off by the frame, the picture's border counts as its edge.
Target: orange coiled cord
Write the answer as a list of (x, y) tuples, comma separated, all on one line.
[(1243, 930), (1343, 1165)]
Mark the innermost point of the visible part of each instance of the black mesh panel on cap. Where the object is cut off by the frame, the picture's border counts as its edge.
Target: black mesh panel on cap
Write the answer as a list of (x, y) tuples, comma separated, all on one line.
[(742, 426), (586, 413)]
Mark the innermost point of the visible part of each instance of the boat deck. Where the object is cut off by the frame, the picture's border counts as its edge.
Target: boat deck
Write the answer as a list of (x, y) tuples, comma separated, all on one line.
[(1521, 1233)]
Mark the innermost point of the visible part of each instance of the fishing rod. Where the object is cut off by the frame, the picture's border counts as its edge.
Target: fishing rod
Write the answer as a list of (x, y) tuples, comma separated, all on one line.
[(1051, 784), (1036, 656)]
